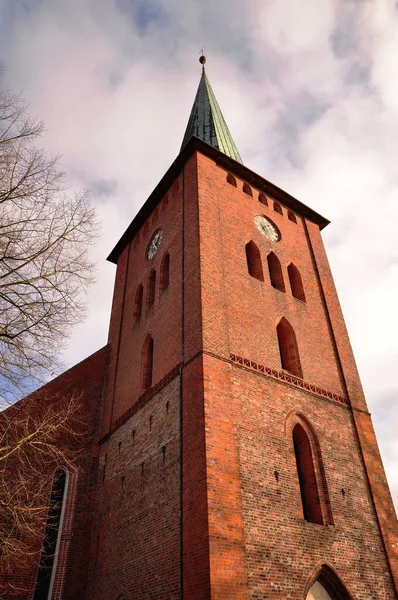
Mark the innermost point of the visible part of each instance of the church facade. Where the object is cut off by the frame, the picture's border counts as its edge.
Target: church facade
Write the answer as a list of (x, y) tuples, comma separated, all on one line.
[(234, 454)]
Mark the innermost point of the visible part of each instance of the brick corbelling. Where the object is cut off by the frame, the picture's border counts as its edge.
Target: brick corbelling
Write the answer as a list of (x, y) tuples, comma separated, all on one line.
[(142, 400), (286, 377)]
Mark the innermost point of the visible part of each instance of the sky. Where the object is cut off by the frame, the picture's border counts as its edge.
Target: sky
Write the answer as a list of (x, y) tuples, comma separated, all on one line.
[(309, 92)]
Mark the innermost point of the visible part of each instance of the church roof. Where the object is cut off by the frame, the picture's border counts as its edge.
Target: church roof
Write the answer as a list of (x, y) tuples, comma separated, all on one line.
[(207, 122)]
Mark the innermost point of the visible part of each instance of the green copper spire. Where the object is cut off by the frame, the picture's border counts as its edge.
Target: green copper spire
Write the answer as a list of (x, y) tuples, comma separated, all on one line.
[(206, 121)]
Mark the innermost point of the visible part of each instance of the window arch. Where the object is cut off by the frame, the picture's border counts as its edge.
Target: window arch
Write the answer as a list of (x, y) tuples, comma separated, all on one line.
[(48, 557), (247, 189), (263, 199), (138, 304), (231, 179), (288, 349), (306, 474), (164, 273), (296, 283), (275, 272), (291, 216), (278, 208), (147, 364), (150, 290), (254, 264)]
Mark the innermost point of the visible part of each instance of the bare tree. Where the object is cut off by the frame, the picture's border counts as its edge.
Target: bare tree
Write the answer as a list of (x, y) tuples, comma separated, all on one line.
[(44, 270), (44, 263), (37, 436)]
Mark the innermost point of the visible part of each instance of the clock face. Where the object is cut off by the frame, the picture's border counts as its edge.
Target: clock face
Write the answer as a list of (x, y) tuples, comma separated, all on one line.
[(267, 228), (154, 244)]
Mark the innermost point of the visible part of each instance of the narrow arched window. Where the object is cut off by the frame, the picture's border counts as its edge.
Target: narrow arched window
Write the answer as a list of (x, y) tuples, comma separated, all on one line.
[(147, 364), (306, 475), (275, 272), (263, 199), (247, 189), (231, 179), (164, 273), (48, 557), (254, 264), (290, 359), (296, 284), (150, 290), (278, 208), (291, 216), (138, 304)]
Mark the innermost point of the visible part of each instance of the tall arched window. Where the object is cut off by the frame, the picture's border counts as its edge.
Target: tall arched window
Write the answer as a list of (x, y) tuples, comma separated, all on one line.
[(46, 572), (138, 304), (296, 284), (150, 290), (164, 273), (275, 272), (288, 349), (327, 586), (306, 474), (254, 264), (147, 364)]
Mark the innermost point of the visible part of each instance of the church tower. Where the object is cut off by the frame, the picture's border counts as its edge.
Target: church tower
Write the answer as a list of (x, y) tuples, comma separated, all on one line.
[(237, 456)]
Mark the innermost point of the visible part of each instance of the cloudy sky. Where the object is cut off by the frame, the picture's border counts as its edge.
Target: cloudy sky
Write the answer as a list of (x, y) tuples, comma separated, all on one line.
[(309, 92)]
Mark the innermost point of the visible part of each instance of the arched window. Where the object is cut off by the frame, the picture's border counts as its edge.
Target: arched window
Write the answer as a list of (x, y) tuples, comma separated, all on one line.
[(231, 179), (147, 364), (138, 304), (291, 216), (296, 284), (254, 265), (263, 199), (164, 273), (48, 557), (288, 349), (247, 189), (150, 290), (306, 474), (275, 272), (327, 586), (278, 208)]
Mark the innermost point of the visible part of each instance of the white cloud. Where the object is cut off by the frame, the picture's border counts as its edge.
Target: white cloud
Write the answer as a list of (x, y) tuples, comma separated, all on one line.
[(308, 90)]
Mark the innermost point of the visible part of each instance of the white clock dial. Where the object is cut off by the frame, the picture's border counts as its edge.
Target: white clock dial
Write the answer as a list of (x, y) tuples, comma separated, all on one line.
[(267, 228), (154, 244)]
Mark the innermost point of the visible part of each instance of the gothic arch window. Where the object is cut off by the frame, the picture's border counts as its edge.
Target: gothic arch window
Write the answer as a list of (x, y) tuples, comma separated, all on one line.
[(263, 199), (310, 499), (48, 557), (288, 349), (275, 272), (307, 464), (327, 586), (150, 290), (291, 216), (278, 208), (296, 283), (231, 179), (147, 364), (164, 273), (247, 189), (254, 264), (138, 304)]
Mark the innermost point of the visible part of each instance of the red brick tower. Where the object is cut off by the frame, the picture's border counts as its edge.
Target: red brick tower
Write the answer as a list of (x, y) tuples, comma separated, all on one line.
[(238, 458)]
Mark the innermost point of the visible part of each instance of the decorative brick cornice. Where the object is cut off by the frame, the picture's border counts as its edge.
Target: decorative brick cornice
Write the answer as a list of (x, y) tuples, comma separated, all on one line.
[(288, 378), (142, 400)]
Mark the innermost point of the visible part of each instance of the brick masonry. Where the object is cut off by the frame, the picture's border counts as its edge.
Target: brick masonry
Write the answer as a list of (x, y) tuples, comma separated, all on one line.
[(192, 490)]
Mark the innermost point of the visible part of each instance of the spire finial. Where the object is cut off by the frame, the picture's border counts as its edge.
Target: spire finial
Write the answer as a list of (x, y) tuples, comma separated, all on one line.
[(202, 59)]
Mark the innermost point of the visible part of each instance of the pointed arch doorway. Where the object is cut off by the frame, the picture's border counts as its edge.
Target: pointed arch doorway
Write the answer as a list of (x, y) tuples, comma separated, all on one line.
[(327, 586)]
